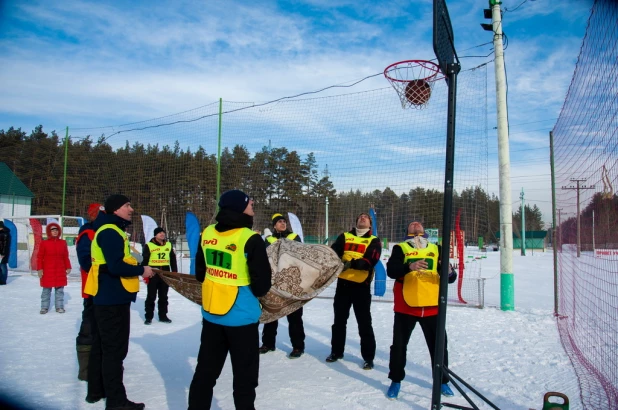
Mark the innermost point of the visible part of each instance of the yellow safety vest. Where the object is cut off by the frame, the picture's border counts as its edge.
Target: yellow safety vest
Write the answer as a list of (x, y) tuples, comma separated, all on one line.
[(131, 284), (272, 239), (159, 254), (421, 288), (355, 248), (226, 267)]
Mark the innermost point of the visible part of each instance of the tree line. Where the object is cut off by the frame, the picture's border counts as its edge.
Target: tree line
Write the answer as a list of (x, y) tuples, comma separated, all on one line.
[(166, 182), (597, 224)]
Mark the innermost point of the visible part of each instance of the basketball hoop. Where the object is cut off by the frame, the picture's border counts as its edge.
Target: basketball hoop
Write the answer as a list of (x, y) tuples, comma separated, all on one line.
[(413, 80)]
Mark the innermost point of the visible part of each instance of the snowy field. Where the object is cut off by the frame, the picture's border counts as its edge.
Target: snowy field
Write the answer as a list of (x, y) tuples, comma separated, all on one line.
[(513, 358)]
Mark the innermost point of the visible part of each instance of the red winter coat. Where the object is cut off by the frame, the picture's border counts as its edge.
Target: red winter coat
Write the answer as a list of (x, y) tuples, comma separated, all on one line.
[(53, 259)]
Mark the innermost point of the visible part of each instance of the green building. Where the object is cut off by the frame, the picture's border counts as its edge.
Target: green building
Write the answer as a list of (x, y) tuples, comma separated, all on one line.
[(15, 197), (535, 240)]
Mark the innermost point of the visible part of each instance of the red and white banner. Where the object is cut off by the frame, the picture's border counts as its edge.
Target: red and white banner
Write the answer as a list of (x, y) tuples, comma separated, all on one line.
[(606, 253)]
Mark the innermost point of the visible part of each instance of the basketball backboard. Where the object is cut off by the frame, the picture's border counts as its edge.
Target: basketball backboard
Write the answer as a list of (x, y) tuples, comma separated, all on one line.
[(443, 39)]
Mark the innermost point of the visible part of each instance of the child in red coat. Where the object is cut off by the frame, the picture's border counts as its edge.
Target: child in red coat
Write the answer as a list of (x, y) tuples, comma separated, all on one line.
[(53, 267)]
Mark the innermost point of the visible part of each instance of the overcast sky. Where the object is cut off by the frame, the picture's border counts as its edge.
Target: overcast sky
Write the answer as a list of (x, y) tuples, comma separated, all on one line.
[(100, 63)]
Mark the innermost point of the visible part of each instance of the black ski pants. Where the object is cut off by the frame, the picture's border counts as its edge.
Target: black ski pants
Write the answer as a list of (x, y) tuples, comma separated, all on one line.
[(109, 349), (88, 327), (296, 331), (402, 330), (358, 296), (156, 285), (216, 341)]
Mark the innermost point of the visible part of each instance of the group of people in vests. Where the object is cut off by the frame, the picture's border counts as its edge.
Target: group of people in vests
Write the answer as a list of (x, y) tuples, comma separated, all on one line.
[(232, 266)]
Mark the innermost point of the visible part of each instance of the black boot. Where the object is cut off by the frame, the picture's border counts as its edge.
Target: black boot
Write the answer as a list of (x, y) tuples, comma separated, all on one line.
[(83, 354), (128, 405)]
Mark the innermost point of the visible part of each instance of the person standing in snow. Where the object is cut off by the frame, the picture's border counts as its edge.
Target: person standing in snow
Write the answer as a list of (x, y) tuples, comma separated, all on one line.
[(5, 252), (414, 264), (232, 265), (159, 254), (296, 329), (360, 252), (85, 336), (113, 282), (53, 267)]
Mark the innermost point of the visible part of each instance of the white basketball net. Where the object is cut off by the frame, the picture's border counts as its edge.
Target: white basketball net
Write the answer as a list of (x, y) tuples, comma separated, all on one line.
[(399, 75)]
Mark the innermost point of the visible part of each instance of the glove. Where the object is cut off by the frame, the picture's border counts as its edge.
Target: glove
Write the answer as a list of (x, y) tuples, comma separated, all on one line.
[(347, 265), (452, 275), (358, 264)]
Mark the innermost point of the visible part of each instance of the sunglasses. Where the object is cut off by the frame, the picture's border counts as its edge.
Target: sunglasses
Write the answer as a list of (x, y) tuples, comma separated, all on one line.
[(53, 229)]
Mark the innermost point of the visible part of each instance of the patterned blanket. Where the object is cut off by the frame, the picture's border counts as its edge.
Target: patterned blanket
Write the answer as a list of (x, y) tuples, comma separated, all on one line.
[(300, 272)]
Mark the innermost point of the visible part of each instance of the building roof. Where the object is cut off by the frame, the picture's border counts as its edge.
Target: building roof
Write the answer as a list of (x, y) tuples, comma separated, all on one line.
[(11, 185)]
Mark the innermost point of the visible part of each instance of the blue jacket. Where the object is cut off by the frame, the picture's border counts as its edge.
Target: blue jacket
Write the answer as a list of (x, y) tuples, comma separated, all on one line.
[(84, 243), (83, 248), (111, 291)]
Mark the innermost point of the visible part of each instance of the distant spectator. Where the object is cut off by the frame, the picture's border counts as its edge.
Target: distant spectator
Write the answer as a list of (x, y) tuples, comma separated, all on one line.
[(5, 251), (54, 266), (158, 253)]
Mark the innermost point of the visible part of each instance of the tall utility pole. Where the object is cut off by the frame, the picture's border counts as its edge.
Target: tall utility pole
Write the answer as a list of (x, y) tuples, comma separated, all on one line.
[(593, 244), (523, 224), (507, 278), (392, 220), (326, 223), (64, 184), (559, 231), (578, 188), (553, 217)]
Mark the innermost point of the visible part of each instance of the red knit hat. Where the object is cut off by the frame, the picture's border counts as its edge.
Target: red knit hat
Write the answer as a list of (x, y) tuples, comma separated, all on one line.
[(93, 210)]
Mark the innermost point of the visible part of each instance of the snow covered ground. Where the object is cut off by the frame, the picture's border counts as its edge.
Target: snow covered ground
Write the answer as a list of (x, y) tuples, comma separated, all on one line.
[(513, 358)]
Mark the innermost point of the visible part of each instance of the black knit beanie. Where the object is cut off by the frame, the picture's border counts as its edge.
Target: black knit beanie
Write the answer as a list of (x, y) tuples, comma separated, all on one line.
[(115, 202), (157, 230), (234, 200)]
